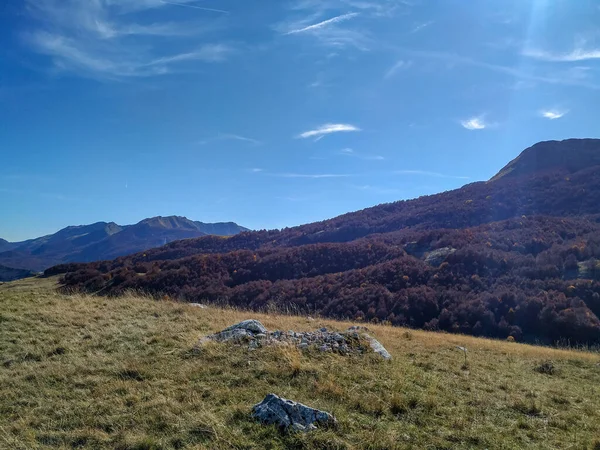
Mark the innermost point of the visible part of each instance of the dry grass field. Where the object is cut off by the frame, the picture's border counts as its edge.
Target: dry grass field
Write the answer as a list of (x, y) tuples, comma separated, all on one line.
[(91, 372)]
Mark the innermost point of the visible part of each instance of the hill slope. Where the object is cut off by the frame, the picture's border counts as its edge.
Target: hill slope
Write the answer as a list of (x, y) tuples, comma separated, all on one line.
[(83, 372), (517, 256), (10, 274), (104, 240)]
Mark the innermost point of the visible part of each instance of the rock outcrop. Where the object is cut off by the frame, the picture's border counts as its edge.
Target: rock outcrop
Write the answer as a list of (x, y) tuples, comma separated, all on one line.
[(290, 415), (252, 333)]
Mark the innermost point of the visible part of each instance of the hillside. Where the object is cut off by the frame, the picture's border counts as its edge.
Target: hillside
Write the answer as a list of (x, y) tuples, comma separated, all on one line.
[(102, 240), (516, 256), (10, 274), (90, 373)]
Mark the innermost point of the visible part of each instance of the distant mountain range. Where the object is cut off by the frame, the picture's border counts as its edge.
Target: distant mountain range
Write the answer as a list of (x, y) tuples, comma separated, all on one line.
[(102, 240), (518, 256)]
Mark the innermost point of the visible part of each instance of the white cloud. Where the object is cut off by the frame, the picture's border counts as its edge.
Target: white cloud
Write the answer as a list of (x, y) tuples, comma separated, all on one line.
[(328, 128), (352, 153), (324, 23), (552, 114), (95, 38), (578, 54), (421, 26), (400, 65), (429, 174), (474, 123)]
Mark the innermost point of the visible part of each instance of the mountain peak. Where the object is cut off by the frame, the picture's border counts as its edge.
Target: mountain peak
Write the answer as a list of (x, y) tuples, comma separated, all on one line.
[(169, 222), (570, 155)]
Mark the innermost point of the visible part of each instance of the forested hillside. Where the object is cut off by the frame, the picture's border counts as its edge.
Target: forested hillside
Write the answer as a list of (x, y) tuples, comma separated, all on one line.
[(515, 256)]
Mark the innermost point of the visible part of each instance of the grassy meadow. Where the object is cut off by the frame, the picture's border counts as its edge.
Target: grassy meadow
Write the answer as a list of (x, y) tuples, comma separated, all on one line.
[(91, 372)]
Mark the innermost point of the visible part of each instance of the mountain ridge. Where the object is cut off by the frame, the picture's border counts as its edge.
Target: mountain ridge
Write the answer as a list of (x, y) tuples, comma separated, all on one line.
[(105, 240)]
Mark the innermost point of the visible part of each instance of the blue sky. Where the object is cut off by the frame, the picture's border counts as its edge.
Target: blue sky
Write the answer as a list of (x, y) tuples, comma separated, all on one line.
[(276, 113)]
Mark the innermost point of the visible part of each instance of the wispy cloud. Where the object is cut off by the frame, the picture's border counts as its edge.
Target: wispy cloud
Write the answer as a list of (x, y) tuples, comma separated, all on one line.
[(374, 8), (429, 174), (96, 38), (552, 114), (350, 152), (230, 137), (329, 32), (324, 23), (328, 128), (474, 123), (518, 73), (578, 54), (309, 175), (202, 8), (421, 26), (400, 65)]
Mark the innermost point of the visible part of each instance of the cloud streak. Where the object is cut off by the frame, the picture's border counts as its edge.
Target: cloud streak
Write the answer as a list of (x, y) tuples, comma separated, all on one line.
[(400, 65), (517, 73), (230, 137), (328, 128), (202, 8), (308, 175), (578, 54), (325, 23)]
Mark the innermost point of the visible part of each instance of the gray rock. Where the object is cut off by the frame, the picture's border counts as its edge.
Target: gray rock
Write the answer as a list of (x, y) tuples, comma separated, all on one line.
[(290, 415), (338, 337), (437, 257), (303, 346), (247, 329), (249, 325), (378, 348), (198, 305)]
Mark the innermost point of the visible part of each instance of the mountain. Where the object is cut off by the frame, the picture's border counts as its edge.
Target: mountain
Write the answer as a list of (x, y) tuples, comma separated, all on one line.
[(102, 240), (514, 256), (5, 245), (10, 274), (567, 156)]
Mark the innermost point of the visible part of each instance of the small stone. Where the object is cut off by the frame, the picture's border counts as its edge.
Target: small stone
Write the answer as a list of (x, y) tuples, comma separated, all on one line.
[(303, 346), (325, 348), (323, 330)]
